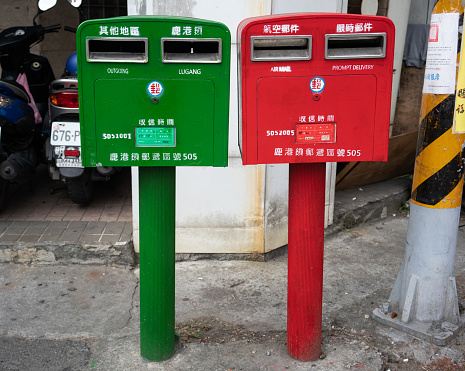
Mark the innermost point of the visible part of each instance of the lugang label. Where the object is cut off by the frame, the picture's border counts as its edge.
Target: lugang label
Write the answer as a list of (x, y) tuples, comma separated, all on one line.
[(190, 71)]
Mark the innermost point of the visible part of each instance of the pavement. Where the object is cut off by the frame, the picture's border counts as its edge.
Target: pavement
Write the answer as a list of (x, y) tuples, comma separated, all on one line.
[(43, 212), (69, 305), (41, 224)]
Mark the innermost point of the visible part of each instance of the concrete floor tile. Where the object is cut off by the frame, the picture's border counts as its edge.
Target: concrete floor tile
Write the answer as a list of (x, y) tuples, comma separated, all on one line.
[(77, 224), (70, 237), (37, 227), (92, 213), (53, 231), (74, 213), (90, 218), (109, 218), (114, 227), (53, 218), (17, 228), (4, 225), (57, 213), (58, 224), (89, 238), (49, 237), (125, 237), (112, 238), (96, 227), (29, 238), (9, 237), (20, 224), (127, 228)]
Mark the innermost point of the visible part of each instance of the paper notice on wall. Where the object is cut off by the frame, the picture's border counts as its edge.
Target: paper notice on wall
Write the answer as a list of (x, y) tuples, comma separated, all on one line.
[(441, 61)]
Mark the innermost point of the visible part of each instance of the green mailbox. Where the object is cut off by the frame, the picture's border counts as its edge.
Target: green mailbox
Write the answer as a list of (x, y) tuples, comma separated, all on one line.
[(154, 91)]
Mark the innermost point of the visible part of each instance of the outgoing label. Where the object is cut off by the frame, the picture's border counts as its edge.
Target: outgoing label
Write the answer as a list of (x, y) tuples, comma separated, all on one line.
[(315, 133)]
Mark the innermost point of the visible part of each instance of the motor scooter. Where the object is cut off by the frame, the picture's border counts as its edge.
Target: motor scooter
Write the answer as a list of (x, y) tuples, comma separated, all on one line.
[(63, 148), (24, 83)]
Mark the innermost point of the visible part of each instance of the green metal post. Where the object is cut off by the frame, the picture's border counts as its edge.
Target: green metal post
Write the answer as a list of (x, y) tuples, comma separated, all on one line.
[(157, 257)]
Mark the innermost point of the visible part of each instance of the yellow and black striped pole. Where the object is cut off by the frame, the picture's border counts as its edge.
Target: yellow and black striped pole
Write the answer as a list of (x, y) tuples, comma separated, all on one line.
[(438, 175), (425, 293)]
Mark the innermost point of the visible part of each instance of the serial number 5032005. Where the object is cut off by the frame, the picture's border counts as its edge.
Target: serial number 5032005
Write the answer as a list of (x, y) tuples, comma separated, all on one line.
[(270, 133), (117, 136)]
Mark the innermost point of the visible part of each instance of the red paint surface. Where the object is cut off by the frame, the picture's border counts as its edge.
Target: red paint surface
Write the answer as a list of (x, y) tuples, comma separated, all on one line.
[(305, 260), (277, 95), (350, 98)]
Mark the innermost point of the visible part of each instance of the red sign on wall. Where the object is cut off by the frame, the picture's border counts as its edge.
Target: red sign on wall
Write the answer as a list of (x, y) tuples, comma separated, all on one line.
[(433, 33)]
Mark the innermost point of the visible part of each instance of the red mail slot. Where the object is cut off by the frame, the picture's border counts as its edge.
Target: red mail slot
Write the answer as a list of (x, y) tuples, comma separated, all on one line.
[(315, 87)]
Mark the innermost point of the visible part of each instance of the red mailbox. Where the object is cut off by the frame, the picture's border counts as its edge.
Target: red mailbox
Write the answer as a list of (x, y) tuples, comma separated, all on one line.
[(315, 88)]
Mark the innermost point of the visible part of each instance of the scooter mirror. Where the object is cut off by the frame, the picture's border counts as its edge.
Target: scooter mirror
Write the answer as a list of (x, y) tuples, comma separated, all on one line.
[(46, 4), (75, 3)]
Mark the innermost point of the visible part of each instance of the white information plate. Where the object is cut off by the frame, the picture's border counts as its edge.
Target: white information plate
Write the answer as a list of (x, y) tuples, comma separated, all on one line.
[(69, 162)]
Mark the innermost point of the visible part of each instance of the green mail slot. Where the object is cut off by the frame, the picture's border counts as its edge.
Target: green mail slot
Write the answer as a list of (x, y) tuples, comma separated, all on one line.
[(154, 91)]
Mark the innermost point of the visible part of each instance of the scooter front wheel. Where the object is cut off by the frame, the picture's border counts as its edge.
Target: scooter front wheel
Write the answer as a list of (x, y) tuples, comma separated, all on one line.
[(80, 188)]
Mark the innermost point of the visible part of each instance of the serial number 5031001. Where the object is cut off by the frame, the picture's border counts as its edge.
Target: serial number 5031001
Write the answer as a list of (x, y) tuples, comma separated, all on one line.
[(117, 136), (270, 133)]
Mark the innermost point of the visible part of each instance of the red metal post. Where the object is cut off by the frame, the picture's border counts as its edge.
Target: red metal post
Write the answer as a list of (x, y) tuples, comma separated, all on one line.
[(305, 259)]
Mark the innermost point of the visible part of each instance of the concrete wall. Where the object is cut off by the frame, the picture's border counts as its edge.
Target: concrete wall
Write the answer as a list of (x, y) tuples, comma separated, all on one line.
[(18, 13), (291, 6), (239, 209), (56, 46), (222, 210)]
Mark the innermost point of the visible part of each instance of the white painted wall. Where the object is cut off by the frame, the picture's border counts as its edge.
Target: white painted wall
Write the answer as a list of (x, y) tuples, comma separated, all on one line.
[(238, 209), (294, 6), (228, 12)]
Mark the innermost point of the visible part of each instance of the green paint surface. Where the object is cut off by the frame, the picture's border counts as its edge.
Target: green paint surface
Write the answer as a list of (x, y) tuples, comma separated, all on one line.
[(118, 60), (144, 100), (157, 187)]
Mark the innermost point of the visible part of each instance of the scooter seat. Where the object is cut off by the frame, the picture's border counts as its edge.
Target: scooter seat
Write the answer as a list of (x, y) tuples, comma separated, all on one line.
[(17, 89)]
